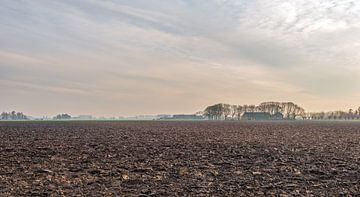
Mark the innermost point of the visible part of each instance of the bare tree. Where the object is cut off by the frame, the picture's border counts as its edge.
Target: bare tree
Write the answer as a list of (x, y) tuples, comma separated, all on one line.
[(233, 111), (214, 112), (62, 117), (252, 108), (13, 116), (226, 110), (239, 111)]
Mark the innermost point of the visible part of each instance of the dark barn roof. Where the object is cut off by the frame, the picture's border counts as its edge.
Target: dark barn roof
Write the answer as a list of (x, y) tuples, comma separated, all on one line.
[(256, 116), (262, 116), (277, 116)]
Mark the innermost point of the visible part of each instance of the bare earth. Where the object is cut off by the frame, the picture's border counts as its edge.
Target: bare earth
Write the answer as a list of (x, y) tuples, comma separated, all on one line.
[(179, 158)]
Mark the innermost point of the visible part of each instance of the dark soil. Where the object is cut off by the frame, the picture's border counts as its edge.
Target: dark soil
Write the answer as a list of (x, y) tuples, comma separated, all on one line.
[(179, 159)]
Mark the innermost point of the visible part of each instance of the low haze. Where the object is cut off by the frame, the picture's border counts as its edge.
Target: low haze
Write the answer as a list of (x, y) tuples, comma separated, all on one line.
[(127, 57)]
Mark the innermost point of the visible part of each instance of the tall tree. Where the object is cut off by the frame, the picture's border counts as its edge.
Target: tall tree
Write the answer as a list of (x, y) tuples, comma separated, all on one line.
[(226, 110)]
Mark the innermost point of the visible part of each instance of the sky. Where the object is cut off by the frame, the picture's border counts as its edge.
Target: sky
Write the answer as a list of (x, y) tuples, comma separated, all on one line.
[(128, 57)]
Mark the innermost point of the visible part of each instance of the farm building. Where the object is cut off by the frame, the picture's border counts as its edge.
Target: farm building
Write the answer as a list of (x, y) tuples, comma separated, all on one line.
[(187, 117), (262, 116), (277, 116), (183, 117), (256, 116)]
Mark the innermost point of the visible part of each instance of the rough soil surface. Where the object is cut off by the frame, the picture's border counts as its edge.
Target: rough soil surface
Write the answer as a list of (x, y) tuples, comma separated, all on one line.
[(179, 159)]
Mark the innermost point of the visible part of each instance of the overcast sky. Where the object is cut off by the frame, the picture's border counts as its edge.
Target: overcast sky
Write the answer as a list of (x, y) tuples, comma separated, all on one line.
[(127, 57)]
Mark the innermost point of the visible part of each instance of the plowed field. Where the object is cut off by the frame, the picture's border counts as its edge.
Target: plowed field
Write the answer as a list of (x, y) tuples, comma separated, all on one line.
[(179, 158)]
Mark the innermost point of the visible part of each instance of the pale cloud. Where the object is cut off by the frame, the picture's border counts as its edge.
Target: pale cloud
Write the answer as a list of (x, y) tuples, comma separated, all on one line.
[(122, 57)]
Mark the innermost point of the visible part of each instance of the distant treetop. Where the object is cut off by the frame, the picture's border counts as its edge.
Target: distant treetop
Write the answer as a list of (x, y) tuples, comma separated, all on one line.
[(222, 111), (13, 116), (62, 117)]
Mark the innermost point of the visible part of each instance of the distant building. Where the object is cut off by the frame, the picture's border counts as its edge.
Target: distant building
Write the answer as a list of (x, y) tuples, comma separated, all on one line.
[(182, 117), (299, 118), (256, 116), (144, 117), (262, 116), (84, 117), (277, 116), (164, 116), (187, 117)]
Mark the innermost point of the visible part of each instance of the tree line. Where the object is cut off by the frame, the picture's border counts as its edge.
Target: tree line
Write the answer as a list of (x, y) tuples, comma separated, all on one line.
[(351, 114), (223, 111), (13, 116), (62, 117)]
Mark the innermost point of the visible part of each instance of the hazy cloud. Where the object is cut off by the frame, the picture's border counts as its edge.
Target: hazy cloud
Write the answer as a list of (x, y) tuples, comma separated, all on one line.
[(150, 56)]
